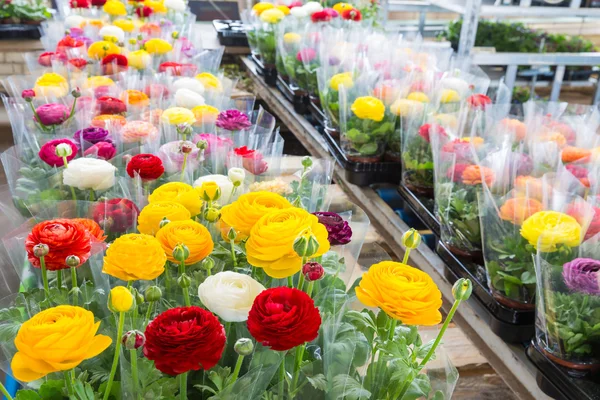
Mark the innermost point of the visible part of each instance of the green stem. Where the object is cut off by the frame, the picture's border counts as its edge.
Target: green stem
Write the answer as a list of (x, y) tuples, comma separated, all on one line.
[(186, 293), (168, 278), (74, 286), (301, 281), (59, 278), (66, 163), (392, 329), (115, 362), (236, 371), (45, 277), (92, 195), (290, 281), (297, 363), (68, 383), (281, 384), (309, 290), (185, 156), (406, 254), (134, 372), (232, 243), (5, 392), (148, 314), (183, 386)]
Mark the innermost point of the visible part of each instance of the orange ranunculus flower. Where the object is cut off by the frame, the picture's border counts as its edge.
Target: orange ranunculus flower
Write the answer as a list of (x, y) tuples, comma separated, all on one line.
[(271, 243), (190, 233), (135, 256), (403, 292), (151, 29), (530, 187), (135, 97), (92, 227), (571, 154), (108, 120), (475, 175), (64, 237), (515, 126), (243, 213), (518, 209), (556, 137)]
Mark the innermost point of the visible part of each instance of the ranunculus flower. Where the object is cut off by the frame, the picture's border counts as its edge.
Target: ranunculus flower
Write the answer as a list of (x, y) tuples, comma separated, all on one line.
[(402, 292), (79, 3), (252, 160), (209, 81), (28, 94), (546, 230), (173, 157), (45, 59), (69, 42), (460, 148), (178, 192), (523, 164), (580, 172), (271, 243), (64, 238), (52, 114), (321, 16), (583, 275), (147, 166), (110, 105), (571, 154), (92, 135), (188, 98), (368, 107), (177, 5), (73, 339), (114, 63), (100, 49), (48, 152), (135, 97), (243, 213), (479, 101), (518, 209), (98, 3), (151, 216), (133, 257), (139, 132), (475, 175), (78, 63), (178, 69), (116, 215), (222, 181), (157, 46), (455, 173), (192, 84), (184, 339), (283, 318), (206, 114), (425, 131), (95, 231), (518, 128), (178, 116), (352, 15), (144, 11), (157, 91), (139, 59), (233, 120), (103, 150), (339, 231), (190, 233), (306, 55), (594, 225), (229, 294), (89, 173), (214, 142)]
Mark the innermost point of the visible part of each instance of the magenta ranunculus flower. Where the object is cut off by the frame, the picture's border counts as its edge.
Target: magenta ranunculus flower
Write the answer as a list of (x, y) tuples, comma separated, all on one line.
[(92, 135), (104, 150), (306, 55), (48, 152), (582, 274), (233, 120), (339, 230), (28, 93), (52, 114), (214, 142)]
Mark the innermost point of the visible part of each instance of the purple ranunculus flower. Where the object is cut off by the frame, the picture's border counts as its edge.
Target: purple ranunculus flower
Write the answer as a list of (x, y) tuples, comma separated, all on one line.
[(523, 164), (52, 114), (233, 120), (582, 274), (338, 229), (92, 135)]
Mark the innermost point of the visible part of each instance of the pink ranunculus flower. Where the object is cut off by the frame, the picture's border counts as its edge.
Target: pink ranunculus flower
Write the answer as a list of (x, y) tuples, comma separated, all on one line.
[(48, 152), (52, 114), (215, 143), (306, 55), (103, 150), (172, 156), (233, 120)]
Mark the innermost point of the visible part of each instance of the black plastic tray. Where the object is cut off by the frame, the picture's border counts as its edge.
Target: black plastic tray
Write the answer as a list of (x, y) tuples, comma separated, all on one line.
[(363, 174), (423, 207), (317, 113), (230, 32), (19, 31), (556, 382), (294, 95), (269, 74)]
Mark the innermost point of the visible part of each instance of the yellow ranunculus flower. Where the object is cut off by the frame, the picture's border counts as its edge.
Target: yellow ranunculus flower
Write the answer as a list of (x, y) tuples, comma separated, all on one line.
[(56, 339), (51, 85), (190, 233), (205, 114), (291, 38), (178, 116), (120, 299), (158, 46), (368, 107), (547, 230), (209, 81), (126, 24), (405, 107), (96, 23), (341, 7), (243, 213), (135, 256), (96, 81), (271, 242), (209, 191), (272, 16), (178, 192), (284, 9), (343, 78), (449, 96), (258, 8), (403, 292), (418, 96), (156, 6), (139, 59), (114, 7), (99, 50), (152, 214), (446, 120)]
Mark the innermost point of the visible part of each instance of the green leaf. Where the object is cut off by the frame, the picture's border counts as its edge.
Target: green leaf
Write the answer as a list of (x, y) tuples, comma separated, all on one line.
[(438, 395), (83, 391), (347, 388), (528, 278), (27, 395), (218, 375), (419, 387), (424, 349), (52, 389), (318, 381)]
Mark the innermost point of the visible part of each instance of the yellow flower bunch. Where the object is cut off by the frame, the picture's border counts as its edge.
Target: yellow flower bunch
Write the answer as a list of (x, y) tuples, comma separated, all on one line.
[(96, 81), (243, 213), (446, 120), (126, 24), (368, 107), (272, 16), (402, 292), (156, 6), (152, 214), (158, 46), (114, 8), (205, 114), (190, 233), (178, 192), (209, 81), (258, 8), (343, 78), (341, 7), (284, 9), (292, 38), (271, 243), (418, 96), (51, 85), (135, 256), (177, 116), (405, 107), (547, 230), (139, 59), (100, 49), (449, 96), (56, 339)]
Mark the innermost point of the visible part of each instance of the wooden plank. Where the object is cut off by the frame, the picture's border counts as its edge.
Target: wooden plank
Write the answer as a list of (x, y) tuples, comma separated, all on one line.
[(509, 361)]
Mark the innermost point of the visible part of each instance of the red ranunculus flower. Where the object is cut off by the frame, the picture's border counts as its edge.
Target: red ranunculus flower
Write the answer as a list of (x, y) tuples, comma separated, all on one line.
[(110, 105), (79, 3), (321, 16), (456, 173), (352, 15), (184, 339), (307, 55), (148, 166), (144, 11), (45, 59), (578, 213), (116, 215), (479, 101), (114, 63), (283, 318), (78, 63), (252, 160), (177, 69), (580, 173), (425, 131), (64, 238), (68, 42), (98, 3)]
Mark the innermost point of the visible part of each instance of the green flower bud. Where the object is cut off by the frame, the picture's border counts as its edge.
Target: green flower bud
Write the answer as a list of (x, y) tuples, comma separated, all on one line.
[(231, 234), (163, 222), (184, 281), (153, 293), (133, 340), (306, 244), (244, 346), (72, 261), (181, 252), (139, 298), (41, 250), (462, 289), (212, 214), (63, 150), (207, 264), (202, 144), (307, 162), (411, 239), (76, 93)]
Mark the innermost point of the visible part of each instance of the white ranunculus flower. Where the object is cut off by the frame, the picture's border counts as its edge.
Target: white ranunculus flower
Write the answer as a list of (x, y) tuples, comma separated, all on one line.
[(230, 295), (298, 12), (73, 21), (236, 175), (457, 84), (192, 84), (188, 98), (312, 7), (222, 181), (177, 5), (89, 173), (111, 30)]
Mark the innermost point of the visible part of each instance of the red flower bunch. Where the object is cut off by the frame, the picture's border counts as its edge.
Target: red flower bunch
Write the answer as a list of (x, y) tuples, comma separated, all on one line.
[(45, 59), (114, 63), (148, 166), (352, 15), (184, 339), (177, 69), (321, 16), (110, 105), (455, 173), (252, 160), (283, 318), (307, 55), (144, 11), (563, 129), (68, 42), (78, 63), (64, 238), (79, 3), (116, 215), (98, 3), (594, 228), (425, 131), (580, 173), (479, 101), (460, 148)]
